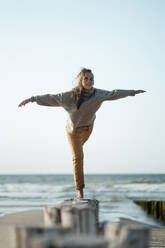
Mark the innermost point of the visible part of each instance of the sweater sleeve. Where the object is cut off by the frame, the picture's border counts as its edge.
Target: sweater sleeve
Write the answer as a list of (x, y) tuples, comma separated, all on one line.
[(49, 100), (117, 94)]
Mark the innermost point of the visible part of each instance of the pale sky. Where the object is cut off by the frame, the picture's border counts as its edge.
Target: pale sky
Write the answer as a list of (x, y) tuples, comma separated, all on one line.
[(44, 44)]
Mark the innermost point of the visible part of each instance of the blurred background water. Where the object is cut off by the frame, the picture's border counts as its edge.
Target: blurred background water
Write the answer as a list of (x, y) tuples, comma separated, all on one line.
[(116, 193)]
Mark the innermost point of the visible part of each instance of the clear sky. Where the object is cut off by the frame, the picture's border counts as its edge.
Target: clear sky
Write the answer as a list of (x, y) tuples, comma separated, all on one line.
[(44, 44)]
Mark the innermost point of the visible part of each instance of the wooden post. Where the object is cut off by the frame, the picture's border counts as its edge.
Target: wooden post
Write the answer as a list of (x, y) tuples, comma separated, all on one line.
[(154, 208), (71, 242), (80, 218), (24, 234), (127, 236), (92, 203), (52, 215)]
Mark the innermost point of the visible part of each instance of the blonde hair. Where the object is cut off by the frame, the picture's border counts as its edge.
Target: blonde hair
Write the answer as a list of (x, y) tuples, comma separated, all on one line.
[(77, 91)]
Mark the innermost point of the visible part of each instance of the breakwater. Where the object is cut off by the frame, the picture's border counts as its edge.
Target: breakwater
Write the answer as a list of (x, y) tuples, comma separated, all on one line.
[(154, 208)]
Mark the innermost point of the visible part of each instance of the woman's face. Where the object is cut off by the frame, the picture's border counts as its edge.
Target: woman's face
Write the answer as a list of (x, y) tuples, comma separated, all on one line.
[(88, 81)]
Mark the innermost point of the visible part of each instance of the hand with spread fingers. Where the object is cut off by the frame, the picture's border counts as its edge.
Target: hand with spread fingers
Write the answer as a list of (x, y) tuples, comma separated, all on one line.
[(24, 102), (139, 91)]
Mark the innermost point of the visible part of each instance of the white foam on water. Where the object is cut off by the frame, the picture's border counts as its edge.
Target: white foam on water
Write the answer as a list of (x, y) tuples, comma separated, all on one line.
[(28, 187), (115, 193)]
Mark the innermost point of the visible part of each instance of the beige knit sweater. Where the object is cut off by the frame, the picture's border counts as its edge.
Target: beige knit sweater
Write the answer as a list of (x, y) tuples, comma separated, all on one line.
[(85, 114)]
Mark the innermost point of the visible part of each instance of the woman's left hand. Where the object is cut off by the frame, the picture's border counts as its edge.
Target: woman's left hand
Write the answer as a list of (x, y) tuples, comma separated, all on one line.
[(139, 91)]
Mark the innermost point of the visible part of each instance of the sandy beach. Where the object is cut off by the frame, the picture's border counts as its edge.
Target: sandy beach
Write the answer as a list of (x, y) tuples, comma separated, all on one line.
[(7, 223)]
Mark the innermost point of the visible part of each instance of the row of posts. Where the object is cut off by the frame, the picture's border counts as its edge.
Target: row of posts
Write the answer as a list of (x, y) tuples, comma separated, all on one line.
[(75, 224)]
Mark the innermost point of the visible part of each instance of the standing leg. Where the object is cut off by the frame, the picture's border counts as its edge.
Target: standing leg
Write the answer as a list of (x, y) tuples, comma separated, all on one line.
[(76, 141), (77, 157)]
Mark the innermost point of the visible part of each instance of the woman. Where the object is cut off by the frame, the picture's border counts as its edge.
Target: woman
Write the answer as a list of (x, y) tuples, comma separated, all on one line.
[(81, 104)]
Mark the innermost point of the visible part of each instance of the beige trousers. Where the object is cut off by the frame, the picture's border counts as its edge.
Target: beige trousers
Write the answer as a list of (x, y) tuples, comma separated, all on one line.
[(76, 140)]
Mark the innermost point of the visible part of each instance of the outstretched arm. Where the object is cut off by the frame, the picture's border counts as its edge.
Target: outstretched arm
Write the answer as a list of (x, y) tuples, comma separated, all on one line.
[(117, 94), (24, 102), (46, 100), (139, 91)]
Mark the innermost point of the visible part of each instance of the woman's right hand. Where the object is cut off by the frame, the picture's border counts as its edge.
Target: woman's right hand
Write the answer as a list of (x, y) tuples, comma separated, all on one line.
[(24, 102)]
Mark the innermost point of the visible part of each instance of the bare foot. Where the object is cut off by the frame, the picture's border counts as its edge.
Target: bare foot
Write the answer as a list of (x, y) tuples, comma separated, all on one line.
[(80, 193)]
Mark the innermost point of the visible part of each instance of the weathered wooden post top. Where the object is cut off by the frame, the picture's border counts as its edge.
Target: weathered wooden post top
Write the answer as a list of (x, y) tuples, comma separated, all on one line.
[(80, 214)]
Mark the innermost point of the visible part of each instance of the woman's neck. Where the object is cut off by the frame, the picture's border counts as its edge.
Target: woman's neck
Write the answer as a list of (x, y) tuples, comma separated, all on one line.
[(91, 89)]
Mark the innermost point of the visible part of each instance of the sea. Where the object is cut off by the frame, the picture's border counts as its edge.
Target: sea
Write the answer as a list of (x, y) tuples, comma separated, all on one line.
[(116, 193)]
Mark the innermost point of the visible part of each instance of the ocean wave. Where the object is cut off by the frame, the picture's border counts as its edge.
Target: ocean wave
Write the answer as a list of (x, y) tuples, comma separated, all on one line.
[(35, 191), (28, 187), (131, 187), (143, 187)]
